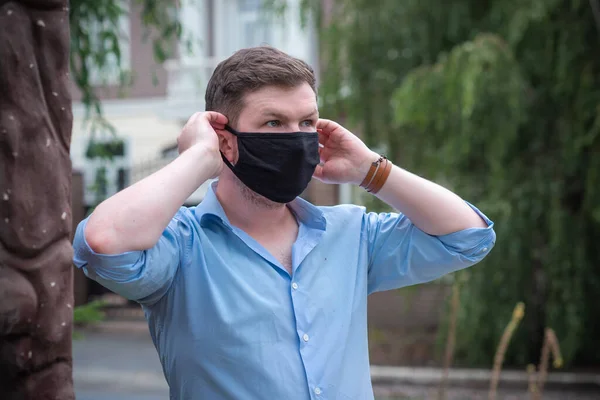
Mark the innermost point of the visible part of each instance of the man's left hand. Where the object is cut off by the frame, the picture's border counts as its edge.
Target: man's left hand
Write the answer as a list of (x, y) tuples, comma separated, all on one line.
[(344, 157)]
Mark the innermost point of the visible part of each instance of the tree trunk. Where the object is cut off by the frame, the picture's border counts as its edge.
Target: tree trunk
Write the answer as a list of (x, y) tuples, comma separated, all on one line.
[(36, 296)]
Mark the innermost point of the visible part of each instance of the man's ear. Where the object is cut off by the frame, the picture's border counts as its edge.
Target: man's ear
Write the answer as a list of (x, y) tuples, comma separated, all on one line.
[(228, 145)]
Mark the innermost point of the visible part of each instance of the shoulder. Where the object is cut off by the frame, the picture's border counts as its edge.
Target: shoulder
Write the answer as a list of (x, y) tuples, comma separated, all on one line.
[(185, 215), (183, 222), (347, 215), (342, 215)]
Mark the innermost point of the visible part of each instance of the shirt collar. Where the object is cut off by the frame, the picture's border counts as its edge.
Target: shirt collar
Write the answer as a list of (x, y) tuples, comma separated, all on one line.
[(306, 212)]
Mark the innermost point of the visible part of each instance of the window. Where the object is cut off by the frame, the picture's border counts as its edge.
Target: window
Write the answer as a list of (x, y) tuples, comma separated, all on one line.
[(249, 5), (255, 28), (122, 179), (106, 167), (109, 75)]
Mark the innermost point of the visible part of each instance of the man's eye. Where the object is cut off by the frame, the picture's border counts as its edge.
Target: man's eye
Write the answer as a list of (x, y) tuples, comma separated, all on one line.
[(273, 124), (308, 122)]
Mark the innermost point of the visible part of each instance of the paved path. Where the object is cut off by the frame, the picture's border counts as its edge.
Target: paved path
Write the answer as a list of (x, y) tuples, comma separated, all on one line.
[(126, 360), (86, 394), (118, 361)]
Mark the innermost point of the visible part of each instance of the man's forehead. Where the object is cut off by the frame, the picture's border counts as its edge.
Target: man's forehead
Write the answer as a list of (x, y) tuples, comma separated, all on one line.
[(281, 102)]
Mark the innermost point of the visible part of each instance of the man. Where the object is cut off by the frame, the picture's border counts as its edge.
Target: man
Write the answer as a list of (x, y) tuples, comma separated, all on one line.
[(255, 293)]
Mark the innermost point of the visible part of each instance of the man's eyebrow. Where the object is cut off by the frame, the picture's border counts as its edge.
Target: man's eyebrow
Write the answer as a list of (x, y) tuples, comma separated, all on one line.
[(274, 114), (314, 113), (278, 115)]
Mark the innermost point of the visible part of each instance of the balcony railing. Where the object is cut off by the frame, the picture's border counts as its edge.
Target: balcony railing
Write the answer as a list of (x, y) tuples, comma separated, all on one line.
[(148, 167)]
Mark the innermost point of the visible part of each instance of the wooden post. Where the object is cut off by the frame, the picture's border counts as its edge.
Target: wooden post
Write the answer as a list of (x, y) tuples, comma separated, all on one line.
[(36, 294)]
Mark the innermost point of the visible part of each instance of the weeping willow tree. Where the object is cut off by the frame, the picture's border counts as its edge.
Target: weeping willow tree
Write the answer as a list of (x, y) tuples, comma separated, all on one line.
[(500, 101)]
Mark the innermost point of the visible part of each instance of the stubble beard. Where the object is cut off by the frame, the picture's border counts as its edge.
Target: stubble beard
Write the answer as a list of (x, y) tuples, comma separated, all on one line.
[(254, 198)]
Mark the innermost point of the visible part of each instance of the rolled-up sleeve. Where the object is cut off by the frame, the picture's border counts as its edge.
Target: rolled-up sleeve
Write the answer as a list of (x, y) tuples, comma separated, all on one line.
[(143, 276), (400, 254)]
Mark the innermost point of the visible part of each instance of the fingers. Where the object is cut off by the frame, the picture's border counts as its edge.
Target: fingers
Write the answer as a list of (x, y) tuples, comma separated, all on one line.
[(216, 120), (318, 172), (322, 139), (215, 117), (326, 126), (193, 118)]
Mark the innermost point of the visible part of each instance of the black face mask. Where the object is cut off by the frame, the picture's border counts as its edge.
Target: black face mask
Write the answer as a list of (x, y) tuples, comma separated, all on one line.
[(278, 166)]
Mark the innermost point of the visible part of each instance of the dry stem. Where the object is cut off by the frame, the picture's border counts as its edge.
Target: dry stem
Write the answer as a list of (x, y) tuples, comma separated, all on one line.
[(451, 340), (550, 346), (532, 374), (517, 316)]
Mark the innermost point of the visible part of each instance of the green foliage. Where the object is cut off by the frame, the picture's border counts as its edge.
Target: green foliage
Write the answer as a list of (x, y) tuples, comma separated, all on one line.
[(465, 111), (105, 149), (499, 101), (89, 313)]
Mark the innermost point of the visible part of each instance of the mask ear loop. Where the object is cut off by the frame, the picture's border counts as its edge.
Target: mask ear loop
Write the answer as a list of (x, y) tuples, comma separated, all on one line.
[(231, 130), (225, 160)]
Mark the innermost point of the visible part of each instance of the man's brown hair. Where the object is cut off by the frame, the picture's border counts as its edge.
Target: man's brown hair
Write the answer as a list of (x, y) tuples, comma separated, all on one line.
[(251, 69)]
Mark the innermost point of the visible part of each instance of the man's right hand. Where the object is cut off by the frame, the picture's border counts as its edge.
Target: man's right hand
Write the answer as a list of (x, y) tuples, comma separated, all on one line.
[(201, 131)]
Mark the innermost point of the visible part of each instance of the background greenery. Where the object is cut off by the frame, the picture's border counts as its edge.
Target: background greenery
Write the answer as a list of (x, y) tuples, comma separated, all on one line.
[(499, 101)]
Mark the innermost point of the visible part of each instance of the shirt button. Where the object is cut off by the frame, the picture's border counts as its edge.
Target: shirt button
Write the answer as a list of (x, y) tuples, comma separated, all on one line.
[(294, 286), (305, 337), (317, 391), (484, 249)]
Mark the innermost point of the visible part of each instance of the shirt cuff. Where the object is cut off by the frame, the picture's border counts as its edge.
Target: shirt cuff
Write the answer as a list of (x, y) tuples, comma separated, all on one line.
[(83, 253), (472, 241)]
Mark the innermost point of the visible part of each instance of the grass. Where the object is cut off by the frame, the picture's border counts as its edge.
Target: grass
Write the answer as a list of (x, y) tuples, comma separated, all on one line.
[(87, 314)]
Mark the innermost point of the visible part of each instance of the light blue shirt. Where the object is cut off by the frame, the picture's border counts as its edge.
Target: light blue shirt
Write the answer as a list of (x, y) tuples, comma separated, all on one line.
[(229, 322)]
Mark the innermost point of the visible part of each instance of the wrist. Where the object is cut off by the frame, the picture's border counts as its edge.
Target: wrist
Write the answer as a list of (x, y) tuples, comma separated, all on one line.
[(362, 169), (206, 158), (379, 172)]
